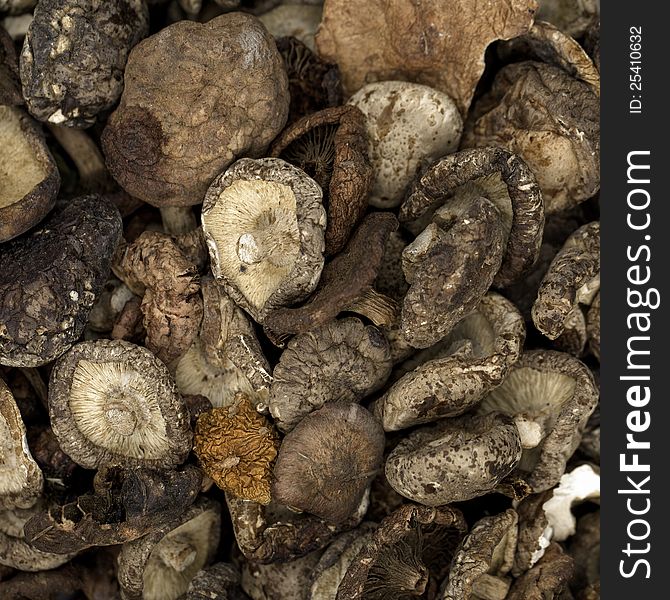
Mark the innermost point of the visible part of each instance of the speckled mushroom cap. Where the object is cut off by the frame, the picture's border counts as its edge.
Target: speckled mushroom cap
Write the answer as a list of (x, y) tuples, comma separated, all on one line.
[(160, 565), (264, 223), (112, 402), (551, 396), (57, 270), (455, 459), (343, 361), (408, 126), (449, 378), (29, 179)]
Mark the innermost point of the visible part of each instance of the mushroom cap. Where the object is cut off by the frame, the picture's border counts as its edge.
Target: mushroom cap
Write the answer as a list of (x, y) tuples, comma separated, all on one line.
[(556, 392), (547, 579), (297, 20), (21, 479), (219, 93), (112, 402), (57, 270), (408, 125), (534, 532), (61, 84), (221, 581), (161, 565), (593, 326), (342, 361), (10, 86), (573, 17), (29, 178), (455, 459), (326, 463), (264, 225), (449, 378)]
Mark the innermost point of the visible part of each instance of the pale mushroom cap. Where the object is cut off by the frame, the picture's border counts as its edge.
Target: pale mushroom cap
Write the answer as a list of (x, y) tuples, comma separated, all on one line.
[(297, 20), (408, 125)]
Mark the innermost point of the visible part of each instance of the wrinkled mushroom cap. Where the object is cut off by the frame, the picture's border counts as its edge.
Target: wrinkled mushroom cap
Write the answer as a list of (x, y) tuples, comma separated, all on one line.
[(264, 225), (112, 402), (547, 579)]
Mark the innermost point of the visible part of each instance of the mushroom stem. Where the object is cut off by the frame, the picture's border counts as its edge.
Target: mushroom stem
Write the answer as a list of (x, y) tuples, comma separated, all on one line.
[(36, 382), (177, 554), (265, 243), (490, 587), (380, 309), (530, 431), (178, 219)]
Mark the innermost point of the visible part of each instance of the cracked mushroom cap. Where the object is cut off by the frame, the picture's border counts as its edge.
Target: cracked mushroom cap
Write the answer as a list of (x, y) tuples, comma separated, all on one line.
[(550, 395), (29, 178), (408, 126), (455, 459), (114, 403), (343, 361), (449, 378), (327, 462), (264, 224), (573, 278), (483, 559), (21, 479), (51, 277), (161, 565), (196, 97)]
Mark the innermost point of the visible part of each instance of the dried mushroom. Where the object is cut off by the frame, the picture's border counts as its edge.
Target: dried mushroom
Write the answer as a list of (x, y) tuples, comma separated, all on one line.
[(408, 126), (51, 277), (432, 43), (573, 17), (593, 326), (534, 532), (584, 548), (483, 559), (29, 179), (21, 479), (326, 463), (547, 579), (10, 86), (112, 402), (449, 378), (573, 278), (279, 581), (220, 92), (330, 146), (161, 565), (550, 395), (236, 447), (221, 581), (264, 225), (74, 54), (454, 459), (297, 20), (343, 361)]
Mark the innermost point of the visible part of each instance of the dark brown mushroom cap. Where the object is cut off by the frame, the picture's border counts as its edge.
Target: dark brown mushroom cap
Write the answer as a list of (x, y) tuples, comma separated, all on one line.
[(556, 394), (584, 548), (547, 579), (592, 43), (138, 504), (487, 551), (342, 361), (326, 463), (264, 223), (331, 147), (10, 85), (221, 581), (61, 84), (449, 378), (29, 179), (502, 178), (112, 402), (573, 277), (344, 279), (220, 92), (57, 270), (161, 564), (593, 326), (454, 459)]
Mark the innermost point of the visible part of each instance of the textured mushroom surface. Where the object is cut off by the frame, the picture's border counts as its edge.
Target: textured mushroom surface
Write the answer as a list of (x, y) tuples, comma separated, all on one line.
[(10, 86), (593, 326), (74, 55), (574, 16), (112, 402), (219, 92), (547, 579), (57, 270), (298, 20), (221, 581)]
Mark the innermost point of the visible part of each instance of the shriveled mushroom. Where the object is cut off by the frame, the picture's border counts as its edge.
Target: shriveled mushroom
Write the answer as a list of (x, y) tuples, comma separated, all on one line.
[(161, 565), (51, 277), (21, 479), (326, 463), (221, 581), (550, 395), (279, 581), (296, 20), (593, 326), (264, 224), (112, 402), (343, 361), (10, 86), (432, 43), (29, 179), (219, 93), (448, 379), (547, 579), (482, 561), (534, 532), (572, 16), (408, 126), (454, 459), (330, 146)]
